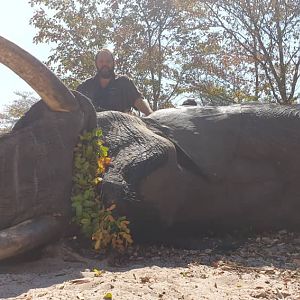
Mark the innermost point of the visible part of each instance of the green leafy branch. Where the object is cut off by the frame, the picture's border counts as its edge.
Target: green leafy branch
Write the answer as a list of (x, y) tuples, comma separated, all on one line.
[(90, 163)]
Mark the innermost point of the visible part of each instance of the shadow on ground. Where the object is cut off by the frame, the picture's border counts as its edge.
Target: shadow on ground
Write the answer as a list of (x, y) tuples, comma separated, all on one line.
[(66, 260)]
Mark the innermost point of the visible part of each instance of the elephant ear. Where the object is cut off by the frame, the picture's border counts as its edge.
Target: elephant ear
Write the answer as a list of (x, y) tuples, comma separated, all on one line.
[(52, 91)]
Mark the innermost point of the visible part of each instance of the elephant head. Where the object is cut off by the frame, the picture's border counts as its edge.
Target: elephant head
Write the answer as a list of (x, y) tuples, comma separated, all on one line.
[(193, 170), (36, 156)]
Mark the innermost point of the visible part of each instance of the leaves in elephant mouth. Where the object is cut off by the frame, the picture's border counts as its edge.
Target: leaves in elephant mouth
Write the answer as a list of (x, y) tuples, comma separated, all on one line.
[(114, 232), (90, 163)]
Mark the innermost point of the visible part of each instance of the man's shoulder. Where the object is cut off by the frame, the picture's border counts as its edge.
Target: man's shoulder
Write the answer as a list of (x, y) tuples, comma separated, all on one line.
[(124, 81), (122, 78), (88, 82)]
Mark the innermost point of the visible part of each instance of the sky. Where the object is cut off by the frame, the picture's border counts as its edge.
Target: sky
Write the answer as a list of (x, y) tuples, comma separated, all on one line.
[(14, 26)]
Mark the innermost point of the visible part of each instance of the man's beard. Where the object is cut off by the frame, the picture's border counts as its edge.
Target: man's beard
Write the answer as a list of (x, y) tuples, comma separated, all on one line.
[(106, 72)]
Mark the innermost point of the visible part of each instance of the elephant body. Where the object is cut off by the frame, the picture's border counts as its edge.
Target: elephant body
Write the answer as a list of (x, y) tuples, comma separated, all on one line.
[(198, 169), (177, 172)]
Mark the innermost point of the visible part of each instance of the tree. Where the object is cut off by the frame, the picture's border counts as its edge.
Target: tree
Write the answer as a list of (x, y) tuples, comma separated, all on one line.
[(15, 110), (210, 73), (265, 35), (151, 38), (222, 51), (76, 29)]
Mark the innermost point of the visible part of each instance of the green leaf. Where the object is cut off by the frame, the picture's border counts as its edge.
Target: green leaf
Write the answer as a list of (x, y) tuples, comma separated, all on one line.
[(78, 208)]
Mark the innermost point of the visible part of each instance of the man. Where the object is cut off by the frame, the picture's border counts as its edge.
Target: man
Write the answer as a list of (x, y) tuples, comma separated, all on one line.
[(110, 92)]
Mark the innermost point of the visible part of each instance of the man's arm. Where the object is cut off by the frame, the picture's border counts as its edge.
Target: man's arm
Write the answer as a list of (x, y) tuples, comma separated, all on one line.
[(143, 106)]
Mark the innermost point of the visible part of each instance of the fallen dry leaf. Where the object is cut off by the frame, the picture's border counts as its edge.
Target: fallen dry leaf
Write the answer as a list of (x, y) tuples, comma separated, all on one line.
[(145, 279), (80, 281)]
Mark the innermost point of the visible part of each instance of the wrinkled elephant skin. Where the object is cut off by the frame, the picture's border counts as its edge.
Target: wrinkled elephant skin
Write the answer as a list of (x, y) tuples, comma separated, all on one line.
[(179, 171)]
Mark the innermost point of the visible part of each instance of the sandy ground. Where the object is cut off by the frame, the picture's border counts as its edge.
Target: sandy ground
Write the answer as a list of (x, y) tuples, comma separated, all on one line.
[(260, 267)]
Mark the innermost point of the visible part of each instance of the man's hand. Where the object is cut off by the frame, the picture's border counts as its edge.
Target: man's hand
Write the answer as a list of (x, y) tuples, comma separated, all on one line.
[(143, 106)]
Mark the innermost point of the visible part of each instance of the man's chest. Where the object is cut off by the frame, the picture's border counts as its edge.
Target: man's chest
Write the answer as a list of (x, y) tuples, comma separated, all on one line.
[(110, 97), (108, 92)]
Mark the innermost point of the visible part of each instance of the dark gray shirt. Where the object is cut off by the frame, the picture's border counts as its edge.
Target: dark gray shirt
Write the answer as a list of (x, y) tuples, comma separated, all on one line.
[(120, 94)]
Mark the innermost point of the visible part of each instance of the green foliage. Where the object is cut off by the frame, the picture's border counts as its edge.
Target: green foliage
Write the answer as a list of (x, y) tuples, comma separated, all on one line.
[(112, 231), (76, 29), (90, 162), (244, 49), (261, 46), (151, 40)]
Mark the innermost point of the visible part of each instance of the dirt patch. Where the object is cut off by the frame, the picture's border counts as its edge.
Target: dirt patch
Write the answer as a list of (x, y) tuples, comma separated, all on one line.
[(260, 267)]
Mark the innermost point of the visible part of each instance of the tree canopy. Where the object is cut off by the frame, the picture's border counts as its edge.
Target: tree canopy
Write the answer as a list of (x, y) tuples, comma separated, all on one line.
[(220, 51), (16, 109), (263, 36)]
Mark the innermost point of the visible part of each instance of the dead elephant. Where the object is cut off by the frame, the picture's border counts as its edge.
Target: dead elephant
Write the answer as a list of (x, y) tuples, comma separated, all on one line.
[(179, 171)]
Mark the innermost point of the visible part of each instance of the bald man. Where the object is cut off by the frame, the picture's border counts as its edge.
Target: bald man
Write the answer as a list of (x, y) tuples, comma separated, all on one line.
[(111, 92)]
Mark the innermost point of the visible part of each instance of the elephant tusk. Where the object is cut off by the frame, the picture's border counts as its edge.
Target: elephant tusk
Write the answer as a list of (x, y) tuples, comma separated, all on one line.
[(52, 91), (28, 235)]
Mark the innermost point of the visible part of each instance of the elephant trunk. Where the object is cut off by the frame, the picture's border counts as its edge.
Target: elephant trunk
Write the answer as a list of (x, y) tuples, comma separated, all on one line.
[(28, 235)]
